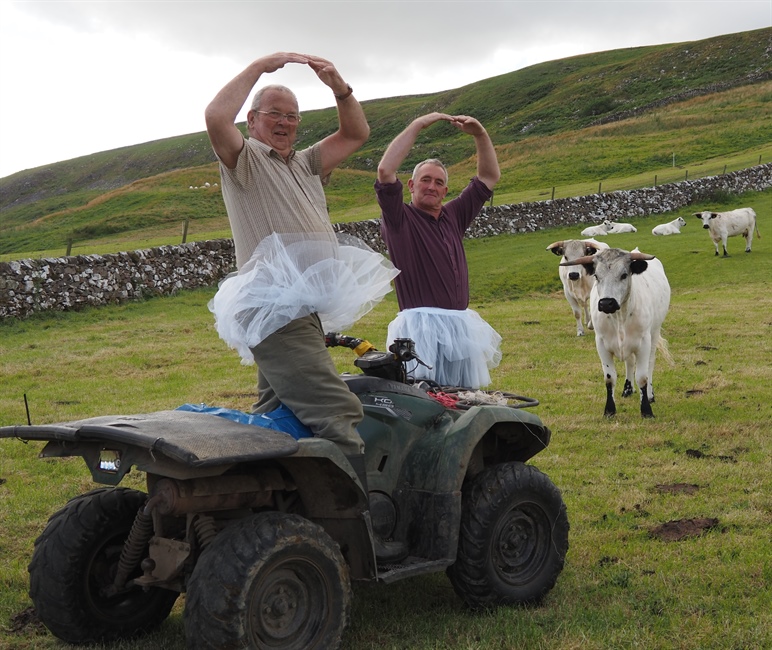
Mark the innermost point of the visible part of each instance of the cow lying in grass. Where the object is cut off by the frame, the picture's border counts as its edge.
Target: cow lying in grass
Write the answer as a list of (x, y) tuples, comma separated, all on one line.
[(670, 228), (614, 228)]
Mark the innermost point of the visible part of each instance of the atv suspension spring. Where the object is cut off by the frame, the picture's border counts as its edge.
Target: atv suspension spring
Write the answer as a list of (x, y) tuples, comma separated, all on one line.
[(205, 529), (133, 548)]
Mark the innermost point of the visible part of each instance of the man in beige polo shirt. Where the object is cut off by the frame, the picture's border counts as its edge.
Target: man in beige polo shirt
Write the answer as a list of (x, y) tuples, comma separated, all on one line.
[(276, 205)]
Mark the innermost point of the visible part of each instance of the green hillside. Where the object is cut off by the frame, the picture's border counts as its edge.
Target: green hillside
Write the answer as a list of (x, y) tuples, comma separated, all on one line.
[(623, 114)]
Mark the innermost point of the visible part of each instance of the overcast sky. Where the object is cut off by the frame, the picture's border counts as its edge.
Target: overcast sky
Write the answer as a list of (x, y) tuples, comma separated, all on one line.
[(86, 76)]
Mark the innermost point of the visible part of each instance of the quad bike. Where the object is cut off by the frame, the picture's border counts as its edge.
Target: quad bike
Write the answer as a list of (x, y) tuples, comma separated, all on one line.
[(264, 532)]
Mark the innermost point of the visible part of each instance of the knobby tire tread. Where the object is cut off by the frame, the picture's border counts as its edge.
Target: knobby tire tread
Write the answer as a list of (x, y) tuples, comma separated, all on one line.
[(485, 499), (61, 561)]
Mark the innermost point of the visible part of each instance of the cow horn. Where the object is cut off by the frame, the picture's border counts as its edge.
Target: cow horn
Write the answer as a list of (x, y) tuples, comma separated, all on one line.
[(554, 245), (587, 259), (641, 256)]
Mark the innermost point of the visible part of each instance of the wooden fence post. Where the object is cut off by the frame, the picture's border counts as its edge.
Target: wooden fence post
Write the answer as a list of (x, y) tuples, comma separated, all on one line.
[(185, 230), (69, 247)]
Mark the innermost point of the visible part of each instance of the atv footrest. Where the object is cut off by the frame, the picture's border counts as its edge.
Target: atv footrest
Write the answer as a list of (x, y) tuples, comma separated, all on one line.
[(410, 566)]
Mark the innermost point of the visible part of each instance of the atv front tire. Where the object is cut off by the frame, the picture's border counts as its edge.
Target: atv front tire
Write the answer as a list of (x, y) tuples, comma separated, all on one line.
[(272, 580), (76, 558), (513, 538)]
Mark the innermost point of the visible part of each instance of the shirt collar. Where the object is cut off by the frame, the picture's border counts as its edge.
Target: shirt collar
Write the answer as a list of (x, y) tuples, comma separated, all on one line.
[(270, 151)]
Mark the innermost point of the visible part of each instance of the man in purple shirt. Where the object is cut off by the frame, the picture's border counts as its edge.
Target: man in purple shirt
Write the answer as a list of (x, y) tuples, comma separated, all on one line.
[(425, 241)]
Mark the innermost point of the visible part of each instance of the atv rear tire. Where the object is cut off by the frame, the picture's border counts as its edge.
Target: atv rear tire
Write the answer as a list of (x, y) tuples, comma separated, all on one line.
[(76, 558), (513, 538), (272, 580)]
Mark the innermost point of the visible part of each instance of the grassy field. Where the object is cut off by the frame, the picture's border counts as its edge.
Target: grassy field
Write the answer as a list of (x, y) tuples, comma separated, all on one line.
[(706, 456)]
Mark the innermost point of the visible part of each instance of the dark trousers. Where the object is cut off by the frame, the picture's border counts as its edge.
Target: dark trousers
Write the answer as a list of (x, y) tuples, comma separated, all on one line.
[(296, 369)]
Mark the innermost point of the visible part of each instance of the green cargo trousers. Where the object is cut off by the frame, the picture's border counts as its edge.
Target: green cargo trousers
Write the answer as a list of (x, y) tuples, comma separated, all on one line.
[(294, 368)]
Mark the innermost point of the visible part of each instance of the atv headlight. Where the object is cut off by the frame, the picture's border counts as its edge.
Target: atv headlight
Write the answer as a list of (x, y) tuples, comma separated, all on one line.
[(109, 461)]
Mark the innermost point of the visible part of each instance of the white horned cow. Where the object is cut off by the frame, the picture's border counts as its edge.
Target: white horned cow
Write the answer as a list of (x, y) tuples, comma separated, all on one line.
[(614, 228), (670, 228), (723, 225), (577, 283), (628, 304)]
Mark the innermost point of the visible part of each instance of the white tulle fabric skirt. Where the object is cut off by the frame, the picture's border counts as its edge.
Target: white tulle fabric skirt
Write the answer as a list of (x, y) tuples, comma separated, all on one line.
[(291, 276), (459, 345)]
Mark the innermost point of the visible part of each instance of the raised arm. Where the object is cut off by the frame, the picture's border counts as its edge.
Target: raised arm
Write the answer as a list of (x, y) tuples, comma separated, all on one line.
[(487, 163), (353, 129), (400, 146), (222, 111)]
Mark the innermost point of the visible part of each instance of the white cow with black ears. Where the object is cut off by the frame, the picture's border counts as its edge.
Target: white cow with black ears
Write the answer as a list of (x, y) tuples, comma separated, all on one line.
[(577, 283), (723, 225), (628, 304)]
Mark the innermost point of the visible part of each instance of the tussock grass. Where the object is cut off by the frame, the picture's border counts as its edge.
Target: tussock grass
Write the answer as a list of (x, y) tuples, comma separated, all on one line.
[(621, 587)]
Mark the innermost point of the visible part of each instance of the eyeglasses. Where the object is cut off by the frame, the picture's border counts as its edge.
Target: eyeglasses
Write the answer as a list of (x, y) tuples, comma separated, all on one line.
[(290, 118)]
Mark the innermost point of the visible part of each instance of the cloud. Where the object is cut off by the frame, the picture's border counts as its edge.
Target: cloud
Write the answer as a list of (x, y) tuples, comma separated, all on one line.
[(80, 77)]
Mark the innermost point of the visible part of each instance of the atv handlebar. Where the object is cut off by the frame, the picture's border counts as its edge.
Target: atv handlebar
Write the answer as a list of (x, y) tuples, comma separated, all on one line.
[(388, 365), (393, 365)]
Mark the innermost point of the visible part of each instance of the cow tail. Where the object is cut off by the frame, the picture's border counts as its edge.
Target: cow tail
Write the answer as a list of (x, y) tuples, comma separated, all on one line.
[(664, 350)]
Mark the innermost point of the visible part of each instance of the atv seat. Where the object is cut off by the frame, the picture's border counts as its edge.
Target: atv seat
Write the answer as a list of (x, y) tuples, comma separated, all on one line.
[(359, 384)]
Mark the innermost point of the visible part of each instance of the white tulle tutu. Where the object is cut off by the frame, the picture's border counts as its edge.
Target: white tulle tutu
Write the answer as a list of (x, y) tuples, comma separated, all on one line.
[(291, 276), (459, 345)]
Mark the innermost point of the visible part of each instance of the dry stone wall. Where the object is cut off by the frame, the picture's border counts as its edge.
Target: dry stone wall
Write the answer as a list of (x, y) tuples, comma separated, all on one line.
[(69, 283), (592, 209)]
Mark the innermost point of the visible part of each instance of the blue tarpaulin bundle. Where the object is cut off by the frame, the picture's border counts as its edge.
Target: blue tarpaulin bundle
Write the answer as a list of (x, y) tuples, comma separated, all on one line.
[(281, 419)]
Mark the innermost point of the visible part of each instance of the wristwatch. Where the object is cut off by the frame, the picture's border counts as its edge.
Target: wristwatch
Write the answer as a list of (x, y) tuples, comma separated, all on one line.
[(346, 94)]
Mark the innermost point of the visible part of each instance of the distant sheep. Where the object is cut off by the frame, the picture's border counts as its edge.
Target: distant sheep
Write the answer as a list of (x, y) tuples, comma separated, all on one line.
[(671, 228)]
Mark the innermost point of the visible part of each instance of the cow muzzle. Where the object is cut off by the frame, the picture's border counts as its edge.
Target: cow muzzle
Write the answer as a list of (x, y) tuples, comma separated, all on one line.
[(574, 276), (608, 305), (705, 226)]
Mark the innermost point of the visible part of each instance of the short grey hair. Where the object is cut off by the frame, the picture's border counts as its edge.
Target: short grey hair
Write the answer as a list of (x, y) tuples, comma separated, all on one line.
[(430, 161), (259, 94)]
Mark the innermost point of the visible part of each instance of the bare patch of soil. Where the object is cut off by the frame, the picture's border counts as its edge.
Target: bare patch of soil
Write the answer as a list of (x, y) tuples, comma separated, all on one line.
[(26, 621), (237, 395), (674, 531), (678, 488), (696, 453)]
